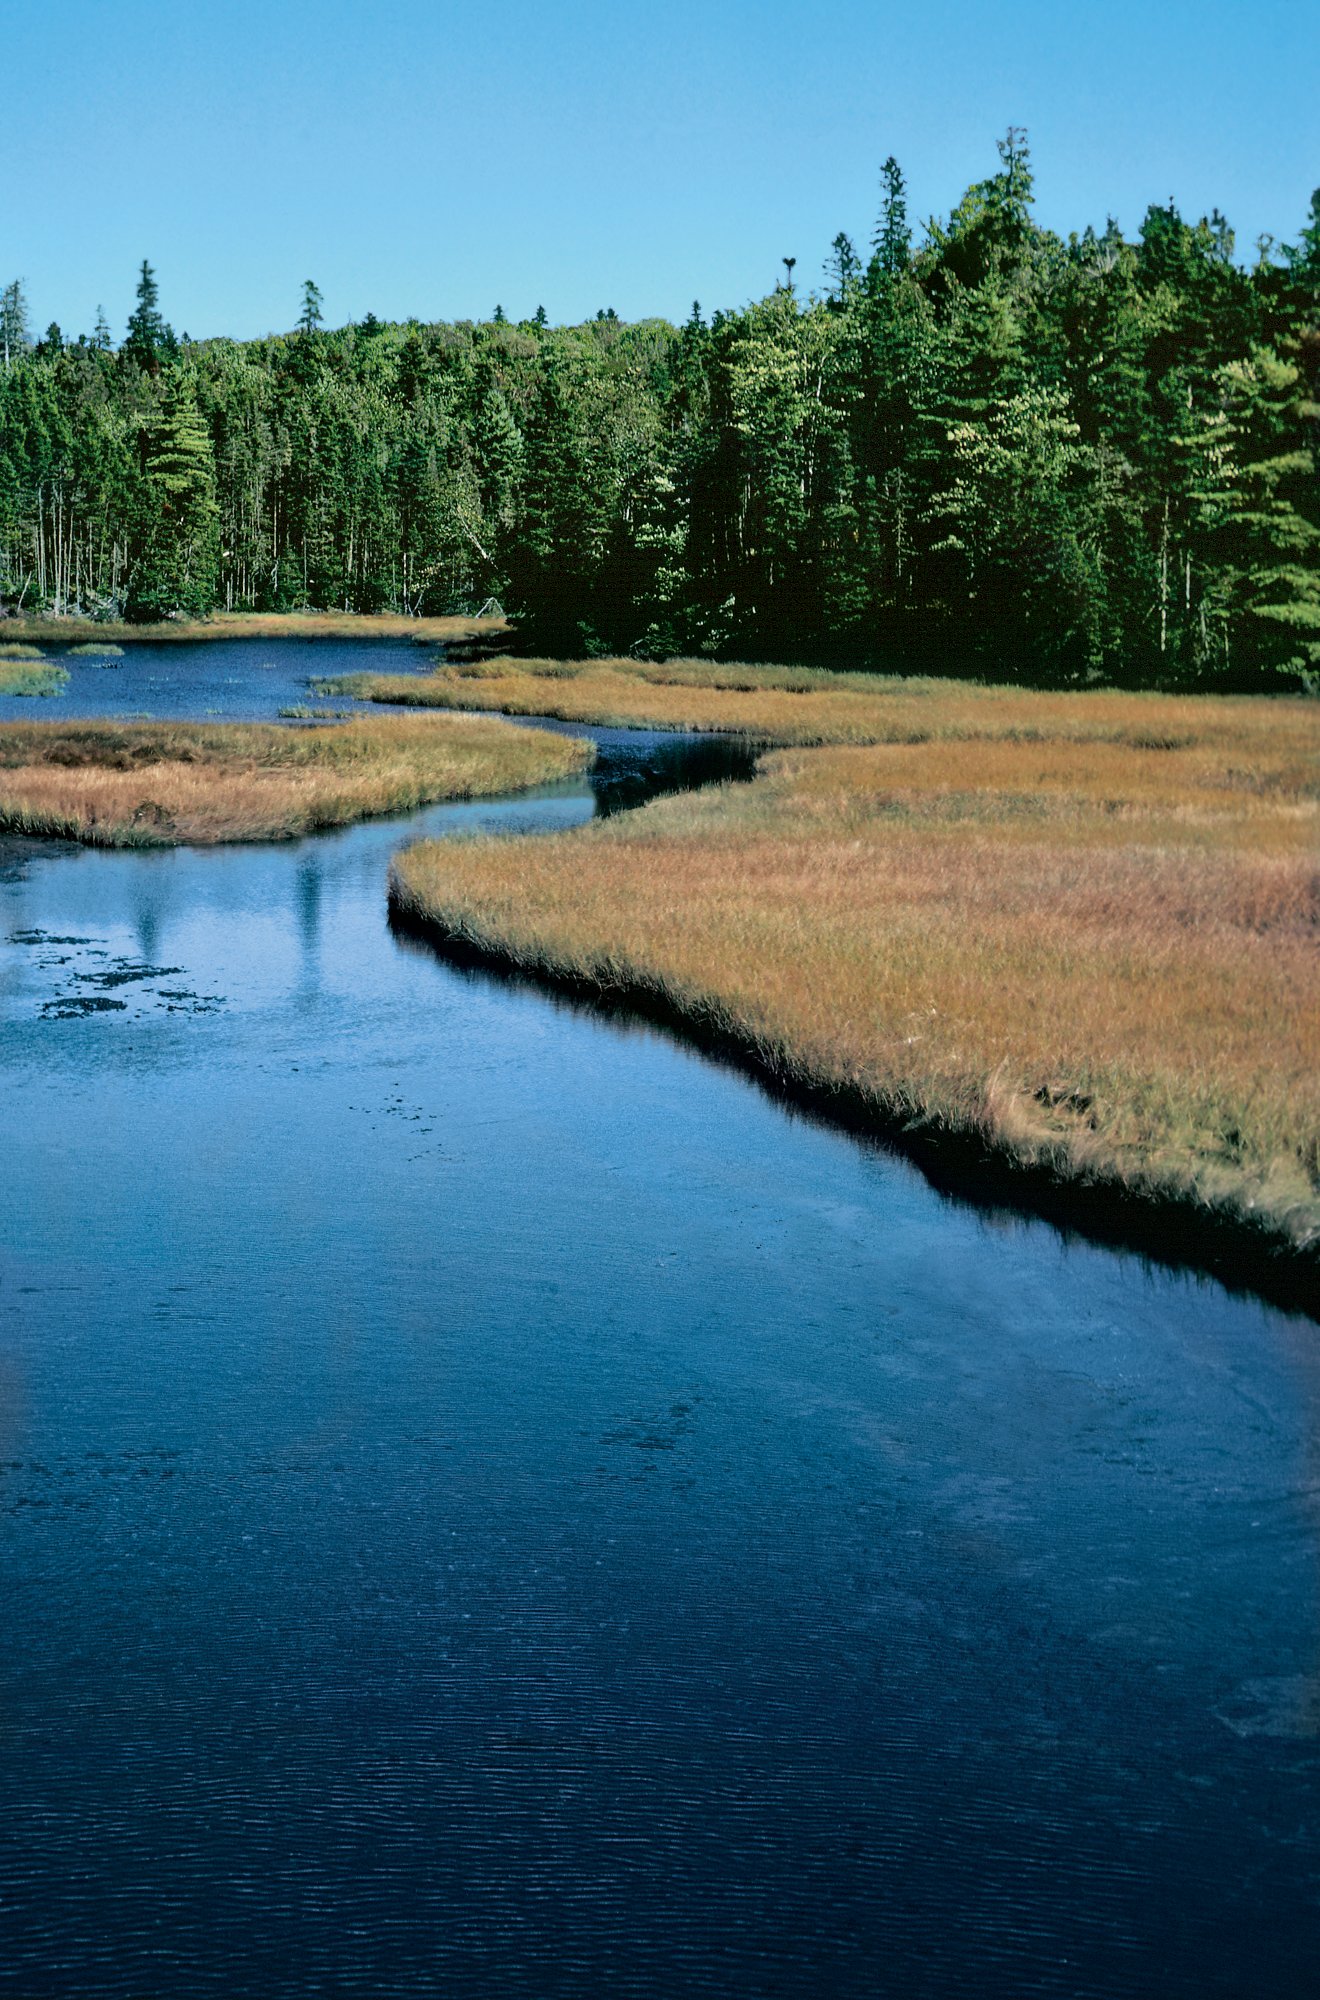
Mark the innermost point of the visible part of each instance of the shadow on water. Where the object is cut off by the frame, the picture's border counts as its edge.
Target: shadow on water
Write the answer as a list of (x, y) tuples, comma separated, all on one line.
[(625, 775), (1167, 1233)]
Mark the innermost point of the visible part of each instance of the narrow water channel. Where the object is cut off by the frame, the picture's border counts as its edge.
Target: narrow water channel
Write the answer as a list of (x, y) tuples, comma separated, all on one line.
[(490, 1503)]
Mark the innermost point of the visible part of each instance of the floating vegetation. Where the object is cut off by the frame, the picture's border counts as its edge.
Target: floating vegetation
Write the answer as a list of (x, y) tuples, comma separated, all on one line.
[(105, 974), (44, 938), (74, 1006), (11, 650), (99, 649)]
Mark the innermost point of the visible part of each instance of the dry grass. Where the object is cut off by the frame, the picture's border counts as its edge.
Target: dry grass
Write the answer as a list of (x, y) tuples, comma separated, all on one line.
[(1082, 926), (802, 705), (157, 784), (266, 625)]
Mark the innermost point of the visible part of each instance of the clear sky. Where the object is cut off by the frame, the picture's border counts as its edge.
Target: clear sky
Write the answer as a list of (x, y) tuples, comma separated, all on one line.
[(419, 157)]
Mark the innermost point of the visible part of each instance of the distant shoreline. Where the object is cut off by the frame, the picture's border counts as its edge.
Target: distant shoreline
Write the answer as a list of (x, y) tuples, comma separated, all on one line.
[(72, 630)]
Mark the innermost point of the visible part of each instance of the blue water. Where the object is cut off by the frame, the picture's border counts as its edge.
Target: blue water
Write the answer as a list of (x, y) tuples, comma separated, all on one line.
[(216, 680), (492, 1504)]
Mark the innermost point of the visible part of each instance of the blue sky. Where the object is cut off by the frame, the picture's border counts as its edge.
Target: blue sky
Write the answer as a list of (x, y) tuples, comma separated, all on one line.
[(431, 159)]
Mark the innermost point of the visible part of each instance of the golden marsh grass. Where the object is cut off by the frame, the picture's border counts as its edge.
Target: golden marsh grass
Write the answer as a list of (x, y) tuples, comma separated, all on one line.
[(1083, 927), (151, 784), (808, 706)]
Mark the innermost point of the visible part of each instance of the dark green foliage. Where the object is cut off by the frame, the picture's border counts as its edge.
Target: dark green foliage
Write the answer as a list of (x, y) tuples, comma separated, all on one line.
[(989, 450), (150, 339), (892, 247)]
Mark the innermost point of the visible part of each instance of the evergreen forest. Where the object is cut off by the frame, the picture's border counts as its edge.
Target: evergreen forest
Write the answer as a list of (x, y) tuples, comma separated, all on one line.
[(973, 447)]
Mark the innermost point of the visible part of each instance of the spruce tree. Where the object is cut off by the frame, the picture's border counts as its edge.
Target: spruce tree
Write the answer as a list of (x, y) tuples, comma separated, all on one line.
[(150, 338), (843, 270), (14, 339), (891, 248)]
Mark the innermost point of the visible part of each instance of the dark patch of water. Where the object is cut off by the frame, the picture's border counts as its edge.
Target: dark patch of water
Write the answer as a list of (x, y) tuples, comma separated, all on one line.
[(627, 774)]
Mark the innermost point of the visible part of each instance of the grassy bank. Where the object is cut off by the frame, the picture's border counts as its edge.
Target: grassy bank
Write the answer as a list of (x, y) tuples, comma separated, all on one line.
[(1078, 928), (259, 625), (808, 706), (157, 784)]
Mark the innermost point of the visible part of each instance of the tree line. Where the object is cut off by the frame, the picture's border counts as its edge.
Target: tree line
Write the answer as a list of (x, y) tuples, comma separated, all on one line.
[(975, 447)]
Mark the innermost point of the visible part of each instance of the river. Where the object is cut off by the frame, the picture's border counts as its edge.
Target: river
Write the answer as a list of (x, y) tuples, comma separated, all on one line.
[(491, 1503)]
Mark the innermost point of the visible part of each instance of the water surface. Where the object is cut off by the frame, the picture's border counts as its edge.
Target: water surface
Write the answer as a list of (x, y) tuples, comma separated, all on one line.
[(220, 680), (490, 1503)]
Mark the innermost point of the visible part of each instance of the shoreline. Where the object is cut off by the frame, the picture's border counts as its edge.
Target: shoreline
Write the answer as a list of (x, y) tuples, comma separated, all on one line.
[(1176, 1231), (139, 785), (1054, 948), (68, 629)]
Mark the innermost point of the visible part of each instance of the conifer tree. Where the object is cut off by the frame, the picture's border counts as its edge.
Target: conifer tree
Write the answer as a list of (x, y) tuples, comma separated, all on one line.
[(891, 248), (1264, 590), (14, 339), (309, 319), (176, 550), (150, 339), (843, 270)]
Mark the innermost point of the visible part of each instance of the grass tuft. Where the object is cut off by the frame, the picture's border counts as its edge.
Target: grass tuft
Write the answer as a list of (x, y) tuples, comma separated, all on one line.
[(24, 672)]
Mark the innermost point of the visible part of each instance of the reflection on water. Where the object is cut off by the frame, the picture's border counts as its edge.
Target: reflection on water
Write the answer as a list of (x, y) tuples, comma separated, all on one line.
[(490, 1504), (626, 776)]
